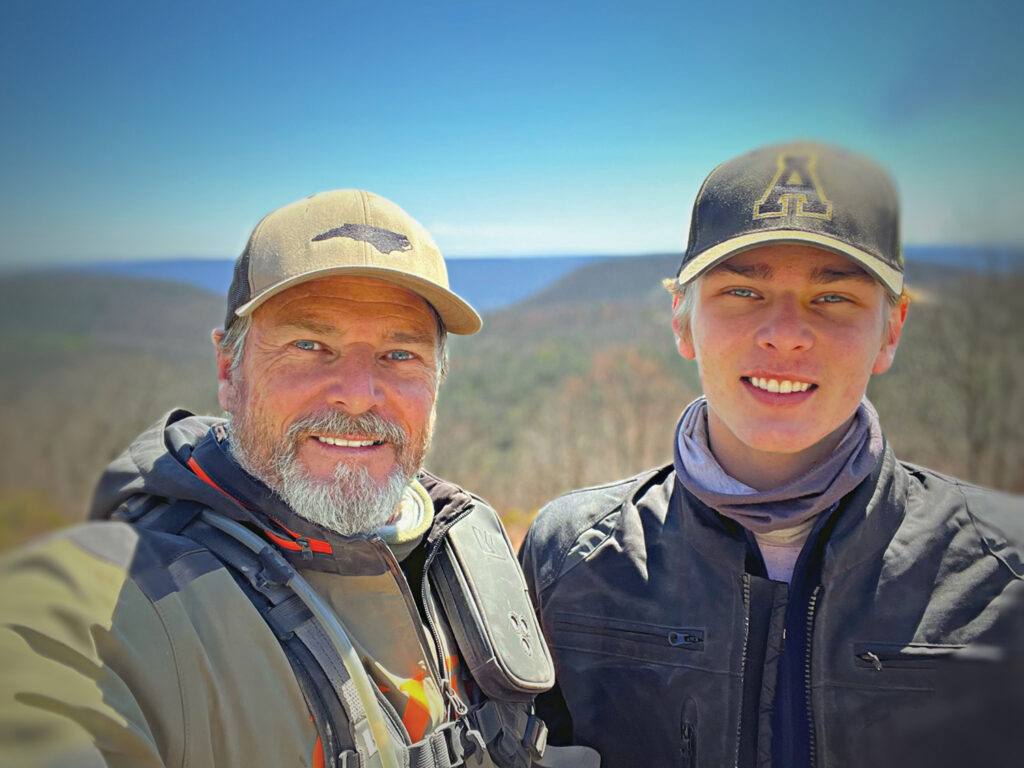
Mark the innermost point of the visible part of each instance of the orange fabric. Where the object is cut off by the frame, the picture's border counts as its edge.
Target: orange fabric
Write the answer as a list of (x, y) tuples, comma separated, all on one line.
[(416, 717), (194, 466), (314, 544), (318, 754), (450, 663)]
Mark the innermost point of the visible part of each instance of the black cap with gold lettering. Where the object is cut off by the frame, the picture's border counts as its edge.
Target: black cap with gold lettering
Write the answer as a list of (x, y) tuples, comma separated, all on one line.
[(801, 192)]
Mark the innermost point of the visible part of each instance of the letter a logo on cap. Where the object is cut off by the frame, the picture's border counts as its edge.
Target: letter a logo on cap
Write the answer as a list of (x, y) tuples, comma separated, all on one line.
[(795, 186)]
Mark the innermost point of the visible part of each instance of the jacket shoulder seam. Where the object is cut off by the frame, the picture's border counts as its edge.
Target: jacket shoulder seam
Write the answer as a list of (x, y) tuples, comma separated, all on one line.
[(976, 521), (165, 626), (564, 554)]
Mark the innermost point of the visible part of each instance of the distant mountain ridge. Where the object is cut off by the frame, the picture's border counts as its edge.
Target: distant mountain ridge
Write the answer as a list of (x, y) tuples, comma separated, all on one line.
[(574, 384), (487, 284), (495, 283)]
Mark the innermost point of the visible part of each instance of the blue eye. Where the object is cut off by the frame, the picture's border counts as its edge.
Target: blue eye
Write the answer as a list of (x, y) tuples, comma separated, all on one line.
[(400, 354), (743, 293), (308, 346), (831, 299)]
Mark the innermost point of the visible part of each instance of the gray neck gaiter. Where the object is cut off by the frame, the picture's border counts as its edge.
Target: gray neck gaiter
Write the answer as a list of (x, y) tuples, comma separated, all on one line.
[(792, 504)]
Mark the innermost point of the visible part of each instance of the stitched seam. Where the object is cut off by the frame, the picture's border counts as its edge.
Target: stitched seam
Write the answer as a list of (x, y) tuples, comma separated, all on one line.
[(981, 537), (185, 724), (561, 560)]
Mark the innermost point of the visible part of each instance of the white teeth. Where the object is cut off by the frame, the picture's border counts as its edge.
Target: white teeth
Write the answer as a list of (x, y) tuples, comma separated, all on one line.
[(783, 387), (346, 443)]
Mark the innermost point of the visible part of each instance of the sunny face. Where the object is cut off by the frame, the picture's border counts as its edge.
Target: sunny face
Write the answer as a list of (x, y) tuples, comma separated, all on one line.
[(336, 371), (786, 338)]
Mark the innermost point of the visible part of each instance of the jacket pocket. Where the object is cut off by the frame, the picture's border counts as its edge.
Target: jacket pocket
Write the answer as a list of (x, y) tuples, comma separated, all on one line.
[(890, 656), (685, 638)]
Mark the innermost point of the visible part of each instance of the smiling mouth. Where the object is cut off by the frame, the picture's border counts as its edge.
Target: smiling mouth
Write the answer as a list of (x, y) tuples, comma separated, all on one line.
[(780, 386), (347, 443)]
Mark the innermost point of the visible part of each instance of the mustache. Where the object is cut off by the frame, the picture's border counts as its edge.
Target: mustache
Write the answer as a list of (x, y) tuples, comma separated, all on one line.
[(371, 424)]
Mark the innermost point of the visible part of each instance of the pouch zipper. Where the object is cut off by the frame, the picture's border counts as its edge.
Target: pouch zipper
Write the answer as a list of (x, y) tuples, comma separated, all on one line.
[(410, 604), (447, 689)]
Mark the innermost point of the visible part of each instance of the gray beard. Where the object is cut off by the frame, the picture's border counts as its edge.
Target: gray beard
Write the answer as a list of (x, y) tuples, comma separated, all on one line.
[(351, 502)]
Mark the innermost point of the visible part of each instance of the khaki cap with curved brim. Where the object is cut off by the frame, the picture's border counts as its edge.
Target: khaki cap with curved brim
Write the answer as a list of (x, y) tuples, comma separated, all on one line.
[(344, 232), (802, 192)]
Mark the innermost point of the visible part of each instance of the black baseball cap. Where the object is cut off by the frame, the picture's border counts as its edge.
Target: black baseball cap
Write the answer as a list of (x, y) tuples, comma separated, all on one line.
[(800, 192)]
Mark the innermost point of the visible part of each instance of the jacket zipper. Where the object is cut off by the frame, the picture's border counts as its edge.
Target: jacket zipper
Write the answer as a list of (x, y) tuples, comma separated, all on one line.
[(450, 695), (812, 747), (688, 732), (689, 638), (880, 658), (743, 663)]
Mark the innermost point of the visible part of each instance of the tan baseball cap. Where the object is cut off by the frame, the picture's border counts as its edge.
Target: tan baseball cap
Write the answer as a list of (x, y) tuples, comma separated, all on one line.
[(344, 232)]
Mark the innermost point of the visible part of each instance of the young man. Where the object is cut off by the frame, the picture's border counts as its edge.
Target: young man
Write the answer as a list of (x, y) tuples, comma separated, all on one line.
[(786, 592), (282, 587)]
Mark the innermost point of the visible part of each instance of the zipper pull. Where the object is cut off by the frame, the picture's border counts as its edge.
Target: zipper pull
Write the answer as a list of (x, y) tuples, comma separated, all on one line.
[(453, 698), (873, 659)]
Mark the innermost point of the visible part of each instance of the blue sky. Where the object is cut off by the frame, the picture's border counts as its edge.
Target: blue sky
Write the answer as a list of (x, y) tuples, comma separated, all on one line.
[(147, 129)]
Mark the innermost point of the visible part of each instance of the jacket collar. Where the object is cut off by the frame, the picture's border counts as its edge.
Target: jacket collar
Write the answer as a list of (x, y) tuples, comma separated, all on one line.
[(864, 522), (868, 517), (306, 544)]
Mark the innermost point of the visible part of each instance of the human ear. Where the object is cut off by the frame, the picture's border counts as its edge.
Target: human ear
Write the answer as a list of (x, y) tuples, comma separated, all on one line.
[(225, 376), (891, 338), (684, 336)]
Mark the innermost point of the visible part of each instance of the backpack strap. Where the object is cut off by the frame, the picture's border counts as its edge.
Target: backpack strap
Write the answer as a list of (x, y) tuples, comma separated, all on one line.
[(352, 719), (264, 576)]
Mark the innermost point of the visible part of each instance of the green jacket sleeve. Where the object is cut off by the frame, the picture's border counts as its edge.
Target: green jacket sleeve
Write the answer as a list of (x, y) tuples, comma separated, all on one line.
[(87, 670)]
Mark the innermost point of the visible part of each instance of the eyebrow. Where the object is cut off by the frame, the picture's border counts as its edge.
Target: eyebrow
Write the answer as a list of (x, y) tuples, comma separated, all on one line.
[(829, 275), (411, 337), (759, 271), (395, 336), (819, 276), (305, 324)]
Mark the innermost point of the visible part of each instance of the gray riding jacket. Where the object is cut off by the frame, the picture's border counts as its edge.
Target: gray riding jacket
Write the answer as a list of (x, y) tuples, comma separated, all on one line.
[(899, 639)]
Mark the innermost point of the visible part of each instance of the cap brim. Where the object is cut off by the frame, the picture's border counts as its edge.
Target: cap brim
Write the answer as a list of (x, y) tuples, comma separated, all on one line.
[(456, 314), (890, 277)]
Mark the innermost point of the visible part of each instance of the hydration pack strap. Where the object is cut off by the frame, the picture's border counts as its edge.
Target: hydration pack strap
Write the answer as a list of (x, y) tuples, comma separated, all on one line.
[(501, 734)]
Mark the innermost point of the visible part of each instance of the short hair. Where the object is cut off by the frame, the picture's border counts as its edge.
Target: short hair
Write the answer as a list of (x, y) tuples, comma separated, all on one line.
[(232, 343)]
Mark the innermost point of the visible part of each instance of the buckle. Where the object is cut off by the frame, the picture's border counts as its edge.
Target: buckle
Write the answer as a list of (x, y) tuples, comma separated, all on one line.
[(535, 737)]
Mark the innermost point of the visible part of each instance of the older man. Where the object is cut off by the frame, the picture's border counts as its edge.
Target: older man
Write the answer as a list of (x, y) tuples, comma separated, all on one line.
[(785, 592), (286, 587)]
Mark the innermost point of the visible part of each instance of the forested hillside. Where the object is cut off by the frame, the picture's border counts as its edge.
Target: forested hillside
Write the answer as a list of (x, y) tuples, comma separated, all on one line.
[(577, 385)]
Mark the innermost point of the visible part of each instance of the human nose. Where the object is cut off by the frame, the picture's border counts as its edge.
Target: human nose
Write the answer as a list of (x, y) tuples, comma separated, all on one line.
[(785, 329), (353, 382)]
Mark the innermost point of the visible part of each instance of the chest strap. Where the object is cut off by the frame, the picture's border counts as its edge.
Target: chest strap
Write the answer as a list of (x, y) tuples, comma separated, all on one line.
[(357, 726)]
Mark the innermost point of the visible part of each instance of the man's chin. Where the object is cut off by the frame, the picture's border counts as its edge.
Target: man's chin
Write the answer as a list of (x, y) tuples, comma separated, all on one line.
[(351, 502)]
